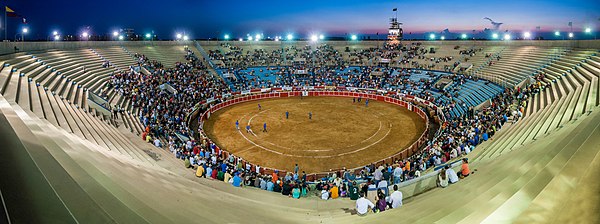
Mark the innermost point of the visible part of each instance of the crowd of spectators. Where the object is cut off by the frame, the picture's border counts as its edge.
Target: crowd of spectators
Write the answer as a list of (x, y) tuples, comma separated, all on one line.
[(165, 96)]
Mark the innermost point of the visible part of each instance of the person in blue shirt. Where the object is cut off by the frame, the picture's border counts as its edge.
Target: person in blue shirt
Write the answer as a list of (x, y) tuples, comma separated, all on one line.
[(237, 125), (366, 102), (287, 114), (270, 185), (237, 181), (248, 128), (265, 127), (485, 136), (259, 107), (224, 167)]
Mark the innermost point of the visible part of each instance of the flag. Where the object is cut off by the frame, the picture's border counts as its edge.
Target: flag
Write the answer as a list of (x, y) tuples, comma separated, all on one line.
[(395, 9), (10, 12), (24, 20)]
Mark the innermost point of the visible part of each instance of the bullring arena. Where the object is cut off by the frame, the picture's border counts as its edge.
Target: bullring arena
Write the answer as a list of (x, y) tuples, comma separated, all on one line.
[(130, 137), (341, 133)]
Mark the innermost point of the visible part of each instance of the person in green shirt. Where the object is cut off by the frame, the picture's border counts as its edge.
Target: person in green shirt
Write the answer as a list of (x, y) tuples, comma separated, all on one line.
[(220, 175), (187, 162), (353, 191), (296, 192), (304, 190)]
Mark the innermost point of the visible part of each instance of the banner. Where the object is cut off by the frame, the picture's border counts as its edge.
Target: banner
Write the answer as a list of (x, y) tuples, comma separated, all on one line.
[(264, 90), (287, 88), (245, 92)]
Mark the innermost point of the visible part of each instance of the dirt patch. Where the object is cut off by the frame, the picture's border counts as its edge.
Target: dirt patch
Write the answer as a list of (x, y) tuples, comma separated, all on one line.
[(340, 134)]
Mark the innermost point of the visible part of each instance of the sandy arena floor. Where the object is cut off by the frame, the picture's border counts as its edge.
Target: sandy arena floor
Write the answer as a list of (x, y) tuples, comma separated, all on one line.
[(340, 134)]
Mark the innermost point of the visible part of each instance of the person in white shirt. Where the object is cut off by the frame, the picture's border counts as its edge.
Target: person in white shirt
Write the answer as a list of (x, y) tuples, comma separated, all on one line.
[(324, 194), (451, 175), (396, 198), (157, 142), (363, 205)]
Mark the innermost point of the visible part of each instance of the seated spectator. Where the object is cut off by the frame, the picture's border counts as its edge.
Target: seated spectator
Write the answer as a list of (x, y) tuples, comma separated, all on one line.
[(442, 179), (464, 170), (286, 189), (200, 172), (296, 192), (383, 185), (226, 177), (277, 186), (451, 174), (334, 192), (363, 205), (324, 194), (353, 191), (381, 203), (270, 185), (237, 181), (396, 198)]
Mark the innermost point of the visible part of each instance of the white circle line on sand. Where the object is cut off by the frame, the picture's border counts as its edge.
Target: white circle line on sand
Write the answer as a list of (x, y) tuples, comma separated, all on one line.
[(341, 154), (256, 115)]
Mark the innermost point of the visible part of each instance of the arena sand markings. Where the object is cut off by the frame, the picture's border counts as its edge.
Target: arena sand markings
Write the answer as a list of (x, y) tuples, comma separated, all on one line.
[(340, 134)]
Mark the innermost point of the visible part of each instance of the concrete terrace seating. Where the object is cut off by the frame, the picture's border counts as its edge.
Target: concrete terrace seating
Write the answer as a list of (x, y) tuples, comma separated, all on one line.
[(167, 55), (541, 169), (19, 88)]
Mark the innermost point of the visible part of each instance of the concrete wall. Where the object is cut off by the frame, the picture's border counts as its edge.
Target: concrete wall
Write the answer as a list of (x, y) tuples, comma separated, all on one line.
[(8, 47), (589, 44)]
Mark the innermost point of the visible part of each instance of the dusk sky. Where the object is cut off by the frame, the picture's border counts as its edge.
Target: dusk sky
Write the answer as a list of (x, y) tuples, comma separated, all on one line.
[(202, 19)]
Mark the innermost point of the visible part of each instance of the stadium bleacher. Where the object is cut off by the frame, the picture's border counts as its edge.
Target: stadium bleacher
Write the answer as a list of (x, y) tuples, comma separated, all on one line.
[(101, 170)]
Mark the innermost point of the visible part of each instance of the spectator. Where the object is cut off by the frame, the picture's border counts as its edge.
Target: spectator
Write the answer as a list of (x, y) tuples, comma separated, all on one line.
[(237, 181), (464, 170), (396, 198), (363, 205), (442, 178)]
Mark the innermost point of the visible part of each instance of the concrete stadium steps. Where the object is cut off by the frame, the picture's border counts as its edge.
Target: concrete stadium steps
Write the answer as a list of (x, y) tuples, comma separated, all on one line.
[(517, 64), (167, 55), (116, 56), (111, 185), (62, 113), (512, 188)]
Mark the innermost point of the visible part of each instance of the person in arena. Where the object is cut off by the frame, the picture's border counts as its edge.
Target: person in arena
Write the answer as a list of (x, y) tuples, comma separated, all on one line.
[(452, 176)]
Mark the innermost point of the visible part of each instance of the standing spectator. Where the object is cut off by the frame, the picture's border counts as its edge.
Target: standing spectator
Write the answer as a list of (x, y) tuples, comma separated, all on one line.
[(396, 198)]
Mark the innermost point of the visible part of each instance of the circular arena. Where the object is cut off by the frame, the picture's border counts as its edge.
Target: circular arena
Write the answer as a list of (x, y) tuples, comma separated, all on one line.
[(221, 123), (319, 133)]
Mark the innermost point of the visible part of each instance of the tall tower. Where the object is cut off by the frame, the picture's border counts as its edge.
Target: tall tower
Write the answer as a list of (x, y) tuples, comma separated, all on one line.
[(395, 30)]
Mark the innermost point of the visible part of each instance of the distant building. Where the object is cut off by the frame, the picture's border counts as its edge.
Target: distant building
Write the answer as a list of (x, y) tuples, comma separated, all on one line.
[(395, 31)]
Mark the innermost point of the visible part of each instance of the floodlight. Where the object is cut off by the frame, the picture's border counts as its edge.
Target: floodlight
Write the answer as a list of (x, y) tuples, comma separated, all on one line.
[(290, 37), (495, 36), (570, 35), (25, 30), (557, 33), (148, 35), (353, 37), (179, 36), (185, 37), (55, 33), (588, 30), (226, 36), (257, 37), (56, 37), (321, 37), (463, 36), (443, 37), (527, 34), (314, 38), (432, 36), (249, 37), (115, 33), (120, 37), (241, 39)]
